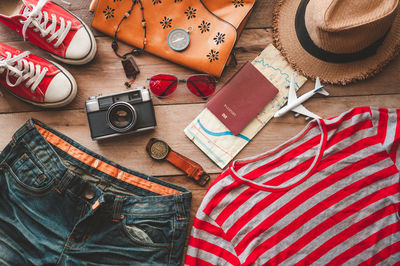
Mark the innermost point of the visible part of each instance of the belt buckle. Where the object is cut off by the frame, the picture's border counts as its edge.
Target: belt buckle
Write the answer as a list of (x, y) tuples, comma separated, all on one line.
[(203, 179)]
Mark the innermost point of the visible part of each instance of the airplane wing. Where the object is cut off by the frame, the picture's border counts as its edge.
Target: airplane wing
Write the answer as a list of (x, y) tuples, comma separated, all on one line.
[(303, 111), (292, 92)]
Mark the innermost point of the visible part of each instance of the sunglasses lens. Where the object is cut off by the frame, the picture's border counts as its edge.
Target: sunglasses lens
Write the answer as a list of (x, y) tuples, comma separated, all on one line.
[(163, 85), (202, 86)]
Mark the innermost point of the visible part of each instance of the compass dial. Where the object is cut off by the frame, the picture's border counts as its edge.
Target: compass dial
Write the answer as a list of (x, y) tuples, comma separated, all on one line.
[(178, 39)]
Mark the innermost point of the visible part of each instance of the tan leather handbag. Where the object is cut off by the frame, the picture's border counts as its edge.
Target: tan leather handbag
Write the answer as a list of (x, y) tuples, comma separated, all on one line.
[(213, 26)]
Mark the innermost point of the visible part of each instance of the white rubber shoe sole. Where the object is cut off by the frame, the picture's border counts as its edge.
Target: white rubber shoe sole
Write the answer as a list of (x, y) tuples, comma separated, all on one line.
[(89, 57)]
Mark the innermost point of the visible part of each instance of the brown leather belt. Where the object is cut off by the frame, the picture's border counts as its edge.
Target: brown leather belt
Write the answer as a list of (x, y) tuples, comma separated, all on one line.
[(160, 150)]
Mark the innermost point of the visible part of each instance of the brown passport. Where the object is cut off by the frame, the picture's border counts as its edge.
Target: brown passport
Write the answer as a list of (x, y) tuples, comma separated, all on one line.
[(242, 98)]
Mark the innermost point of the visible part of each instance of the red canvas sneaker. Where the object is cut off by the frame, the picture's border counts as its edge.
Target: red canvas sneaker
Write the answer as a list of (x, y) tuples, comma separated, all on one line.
[(34, 79), (50, 27)]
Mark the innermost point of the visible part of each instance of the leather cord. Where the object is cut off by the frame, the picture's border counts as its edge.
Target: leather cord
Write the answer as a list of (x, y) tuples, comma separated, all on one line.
[(115, 43)]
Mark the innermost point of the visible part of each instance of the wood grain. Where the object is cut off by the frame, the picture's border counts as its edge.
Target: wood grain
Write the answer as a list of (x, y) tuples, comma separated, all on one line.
[(105, 75), (172, 119), (107, 66), (262, 14)]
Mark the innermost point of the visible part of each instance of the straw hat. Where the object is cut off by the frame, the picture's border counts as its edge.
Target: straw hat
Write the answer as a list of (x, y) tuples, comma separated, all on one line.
[(340, 41)]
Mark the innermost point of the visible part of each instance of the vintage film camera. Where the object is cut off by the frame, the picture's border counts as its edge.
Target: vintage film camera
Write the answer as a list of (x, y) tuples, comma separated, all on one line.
[(119, 114)]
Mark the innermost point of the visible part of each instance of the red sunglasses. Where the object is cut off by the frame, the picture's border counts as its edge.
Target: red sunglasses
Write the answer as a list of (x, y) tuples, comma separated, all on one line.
[(201, 85)]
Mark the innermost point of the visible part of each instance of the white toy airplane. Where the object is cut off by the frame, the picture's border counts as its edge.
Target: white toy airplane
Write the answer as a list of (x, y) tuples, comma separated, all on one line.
[(295, 104)]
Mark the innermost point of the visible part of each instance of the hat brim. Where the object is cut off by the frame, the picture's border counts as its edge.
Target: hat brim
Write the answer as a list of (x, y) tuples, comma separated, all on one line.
[(285, 40)]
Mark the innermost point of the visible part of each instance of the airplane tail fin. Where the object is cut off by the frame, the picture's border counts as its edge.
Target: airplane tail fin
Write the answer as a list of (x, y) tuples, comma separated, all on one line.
[(319, 88)]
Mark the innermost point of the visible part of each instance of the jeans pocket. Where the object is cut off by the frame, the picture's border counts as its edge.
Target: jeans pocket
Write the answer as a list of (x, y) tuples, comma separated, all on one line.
[(156, 232), (28, 176)]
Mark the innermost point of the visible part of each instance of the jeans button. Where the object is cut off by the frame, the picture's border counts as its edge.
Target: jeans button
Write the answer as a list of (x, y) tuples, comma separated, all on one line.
[(89, 193)]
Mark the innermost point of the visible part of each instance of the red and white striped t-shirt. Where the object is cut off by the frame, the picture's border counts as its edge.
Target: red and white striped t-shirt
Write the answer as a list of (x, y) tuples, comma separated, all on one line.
[(330, 195)]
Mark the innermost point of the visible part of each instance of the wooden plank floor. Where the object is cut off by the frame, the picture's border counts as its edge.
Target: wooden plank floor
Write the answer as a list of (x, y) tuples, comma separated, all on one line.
[(105, 75)]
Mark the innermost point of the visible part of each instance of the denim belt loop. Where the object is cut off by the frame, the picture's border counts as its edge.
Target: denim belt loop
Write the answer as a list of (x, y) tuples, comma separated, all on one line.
[(180, 207), (64, 182), (117, 207)]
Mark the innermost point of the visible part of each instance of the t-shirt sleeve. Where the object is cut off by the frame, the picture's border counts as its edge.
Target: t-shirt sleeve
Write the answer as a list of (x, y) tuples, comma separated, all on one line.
[(387, 122), (208, 244)]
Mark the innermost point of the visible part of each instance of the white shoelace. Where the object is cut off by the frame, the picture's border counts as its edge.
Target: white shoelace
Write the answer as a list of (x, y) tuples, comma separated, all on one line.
[(22, 69), (34, 18)]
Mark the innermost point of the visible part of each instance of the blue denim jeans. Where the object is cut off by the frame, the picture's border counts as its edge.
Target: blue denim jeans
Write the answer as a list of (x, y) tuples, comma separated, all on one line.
[(63, 204)]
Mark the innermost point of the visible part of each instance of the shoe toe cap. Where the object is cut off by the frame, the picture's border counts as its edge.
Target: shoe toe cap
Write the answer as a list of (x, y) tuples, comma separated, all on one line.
[(60, 89), (80, 46)]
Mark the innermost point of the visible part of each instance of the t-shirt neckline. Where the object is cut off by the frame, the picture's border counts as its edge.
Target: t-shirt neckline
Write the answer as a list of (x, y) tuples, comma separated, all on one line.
[(296, 181)]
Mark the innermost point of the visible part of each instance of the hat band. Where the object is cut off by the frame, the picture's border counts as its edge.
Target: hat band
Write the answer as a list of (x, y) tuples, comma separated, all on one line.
[(308, 44)]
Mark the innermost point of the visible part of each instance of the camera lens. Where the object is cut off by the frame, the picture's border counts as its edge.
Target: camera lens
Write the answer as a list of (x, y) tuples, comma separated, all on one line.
[(121, 116)]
